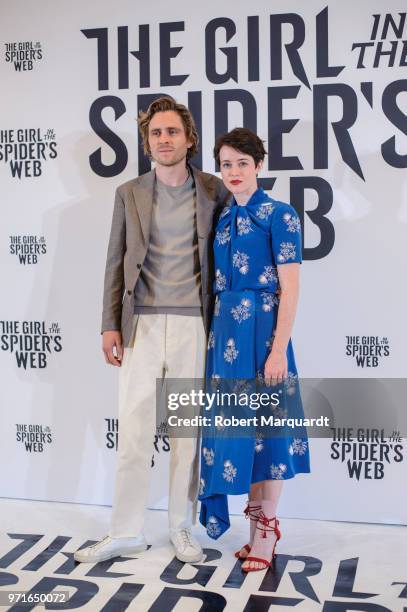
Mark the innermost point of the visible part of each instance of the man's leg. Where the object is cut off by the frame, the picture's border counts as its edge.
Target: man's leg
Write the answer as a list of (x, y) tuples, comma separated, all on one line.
[(142, 364), (185, 358)]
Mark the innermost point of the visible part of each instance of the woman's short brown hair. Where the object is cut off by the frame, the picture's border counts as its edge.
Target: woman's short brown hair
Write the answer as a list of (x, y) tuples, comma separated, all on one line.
[(244, 140), (161, 105)]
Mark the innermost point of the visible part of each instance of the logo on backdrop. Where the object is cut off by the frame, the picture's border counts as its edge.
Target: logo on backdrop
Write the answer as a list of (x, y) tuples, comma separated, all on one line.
[(23, 55), (25, 150), (367, 351), (112, 433), (27, 248), (32, 342), (34, 438), (161, 442), (124, 60), (366, 451), (384, 45)]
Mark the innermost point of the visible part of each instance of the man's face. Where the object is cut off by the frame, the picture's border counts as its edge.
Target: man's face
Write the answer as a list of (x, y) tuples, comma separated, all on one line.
[(167, 138)]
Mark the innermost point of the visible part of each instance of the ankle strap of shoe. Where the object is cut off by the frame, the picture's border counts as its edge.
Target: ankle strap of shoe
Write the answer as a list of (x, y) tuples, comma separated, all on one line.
[(252, 512), (265, 525)]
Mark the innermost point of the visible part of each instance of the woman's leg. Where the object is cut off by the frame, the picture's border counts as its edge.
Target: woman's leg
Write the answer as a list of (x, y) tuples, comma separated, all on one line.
[(255, 498), (256, 492), (271, 490), (265, 539)]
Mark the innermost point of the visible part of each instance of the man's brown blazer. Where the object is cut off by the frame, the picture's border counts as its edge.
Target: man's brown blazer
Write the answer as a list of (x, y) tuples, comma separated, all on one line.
[(130, 238)]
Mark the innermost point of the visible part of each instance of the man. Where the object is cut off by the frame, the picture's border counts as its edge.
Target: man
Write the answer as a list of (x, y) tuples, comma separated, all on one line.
[(156, 308)]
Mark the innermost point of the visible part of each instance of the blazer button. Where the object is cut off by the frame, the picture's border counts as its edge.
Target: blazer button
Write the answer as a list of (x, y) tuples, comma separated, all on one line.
[(129, 292), (139, 266)]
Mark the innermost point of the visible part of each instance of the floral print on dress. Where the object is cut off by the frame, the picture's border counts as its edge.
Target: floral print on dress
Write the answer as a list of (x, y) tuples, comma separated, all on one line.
[(292, 222), (220, 281), (229, 471), (277, 471), (269, 342), (241, 386), (212, 527), (223, 237), (215, 381), (298, 447), (268, 275), (279, 412), (224, 212), (241, 312), (287, 252), (211, 340), (216, 308), (208, 455), (201, 486), (241, 261), (290, 383), (259, 443), (244, 226), (260, 377), (269, 301), (231, 352), (264, 211)]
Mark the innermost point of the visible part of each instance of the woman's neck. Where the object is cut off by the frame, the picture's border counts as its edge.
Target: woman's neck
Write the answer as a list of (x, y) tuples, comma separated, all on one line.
[(244, 197)]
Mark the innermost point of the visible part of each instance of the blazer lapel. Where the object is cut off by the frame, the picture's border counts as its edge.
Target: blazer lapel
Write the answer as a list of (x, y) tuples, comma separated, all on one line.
[(143, 192)]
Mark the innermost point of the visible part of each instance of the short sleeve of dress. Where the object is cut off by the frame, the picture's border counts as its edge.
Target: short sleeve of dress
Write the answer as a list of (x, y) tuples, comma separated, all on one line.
[(286, 235)]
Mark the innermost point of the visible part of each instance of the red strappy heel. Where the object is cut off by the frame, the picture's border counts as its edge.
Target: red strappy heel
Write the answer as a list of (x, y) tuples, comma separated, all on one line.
[(266, 528), (250, 512)]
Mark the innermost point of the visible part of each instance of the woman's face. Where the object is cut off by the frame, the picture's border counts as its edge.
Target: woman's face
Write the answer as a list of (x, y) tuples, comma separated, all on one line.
[(239, 172)]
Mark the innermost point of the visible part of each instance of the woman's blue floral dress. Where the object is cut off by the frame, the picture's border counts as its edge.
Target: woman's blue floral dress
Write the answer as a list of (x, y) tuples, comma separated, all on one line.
[(250, 242)]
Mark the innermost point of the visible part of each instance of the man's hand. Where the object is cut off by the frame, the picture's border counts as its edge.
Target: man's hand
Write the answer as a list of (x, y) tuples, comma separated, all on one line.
[(113, 347)]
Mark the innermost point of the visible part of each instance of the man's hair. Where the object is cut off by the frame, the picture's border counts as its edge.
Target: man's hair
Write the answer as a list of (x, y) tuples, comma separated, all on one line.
[(161, 105), (244, 140)]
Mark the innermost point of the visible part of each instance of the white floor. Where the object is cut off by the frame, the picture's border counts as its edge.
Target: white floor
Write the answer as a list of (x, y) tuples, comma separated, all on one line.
[(376, 554)]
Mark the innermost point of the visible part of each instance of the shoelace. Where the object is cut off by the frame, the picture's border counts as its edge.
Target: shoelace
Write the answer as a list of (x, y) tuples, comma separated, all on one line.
[(97, 544), (186, 537)]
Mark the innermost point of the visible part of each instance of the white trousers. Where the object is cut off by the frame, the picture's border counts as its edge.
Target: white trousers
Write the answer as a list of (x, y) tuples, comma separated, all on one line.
[(170, 346)]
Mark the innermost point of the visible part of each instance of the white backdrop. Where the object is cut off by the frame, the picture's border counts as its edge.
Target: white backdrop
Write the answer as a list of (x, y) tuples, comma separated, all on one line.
[(57, 195)]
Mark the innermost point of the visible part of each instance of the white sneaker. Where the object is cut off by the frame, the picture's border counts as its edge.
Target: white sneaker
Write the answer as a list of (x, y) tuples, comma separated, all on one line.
[(187, 548), (109, 548)]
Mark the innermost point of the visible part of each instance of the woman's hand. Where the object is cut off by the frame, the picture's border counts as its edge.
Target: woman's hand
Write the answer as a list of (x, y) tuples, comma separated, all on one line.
[(275, 369)]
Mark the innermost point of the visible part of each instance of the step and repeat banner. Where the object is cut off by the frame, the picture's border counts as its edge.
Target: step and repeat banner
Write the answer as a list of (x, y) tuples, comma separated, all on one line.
[(325, 85)]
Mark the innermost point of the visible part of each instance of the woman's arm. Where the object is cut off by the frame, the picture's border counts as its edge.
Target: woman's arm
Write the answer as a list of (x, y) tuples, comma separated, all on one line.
[(276, 364)]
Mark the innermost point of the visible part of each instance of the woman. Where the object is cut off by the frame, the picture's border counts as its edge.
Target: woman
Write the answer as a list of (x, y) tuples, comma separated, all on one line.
[(257, 251)]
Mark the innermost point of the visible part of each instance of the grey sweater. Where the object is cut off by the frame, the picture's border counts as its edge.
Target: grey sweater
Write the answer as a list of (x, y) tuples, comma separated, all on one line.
[(170, 279)]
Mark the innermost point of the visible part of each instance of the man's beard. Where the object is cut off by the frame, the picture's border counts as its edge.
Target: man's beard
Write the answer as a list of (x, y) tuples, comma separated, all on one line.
[(173, 162)]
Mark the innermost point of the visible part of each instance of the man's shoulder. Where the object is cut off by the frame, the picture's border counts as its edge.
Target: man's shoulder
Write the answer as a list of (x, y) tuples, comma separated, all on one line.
[(140, 182), (212, 183), (207, 177)]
